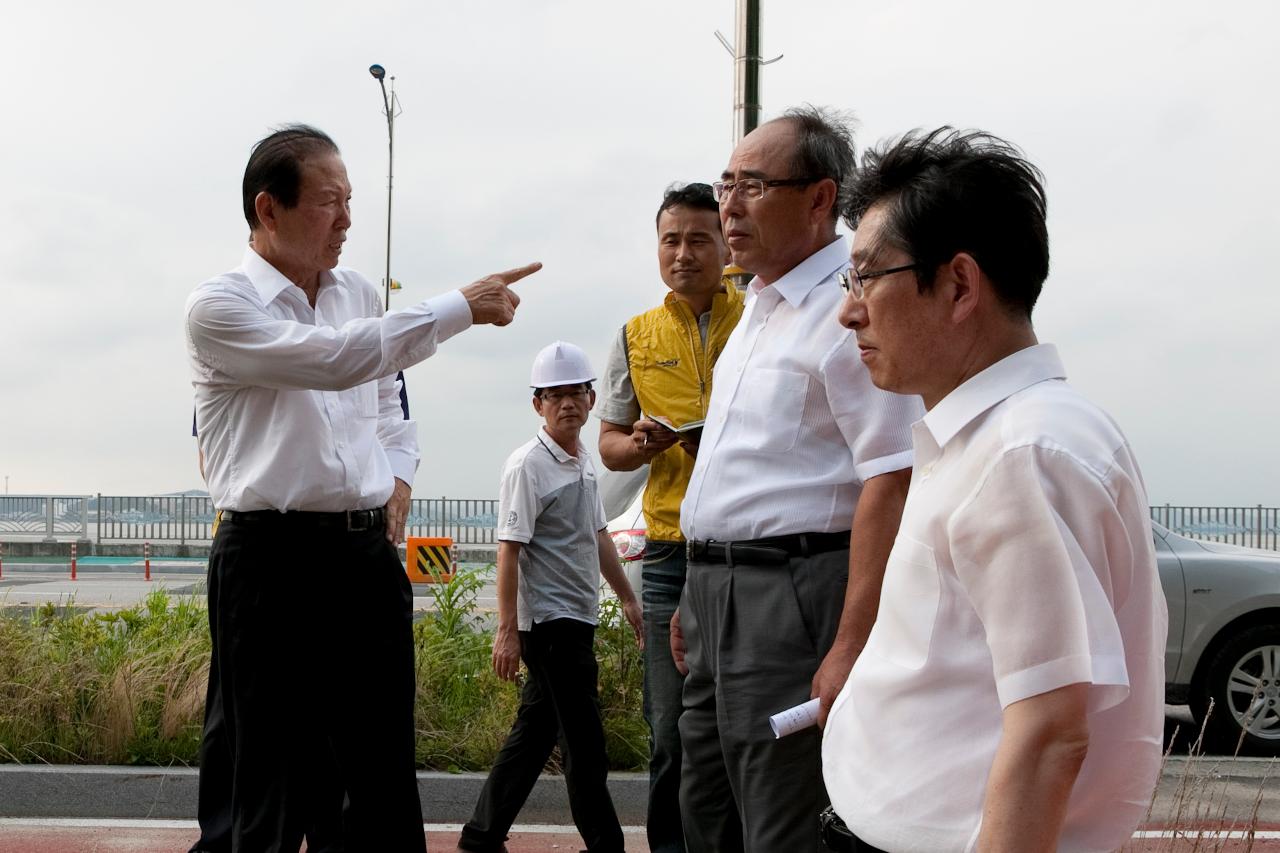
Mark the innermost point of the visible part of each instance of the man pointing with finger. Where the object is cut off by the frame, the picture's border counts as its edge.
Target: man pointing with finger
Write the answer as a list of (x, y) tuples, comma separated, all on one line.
[(309, 458)]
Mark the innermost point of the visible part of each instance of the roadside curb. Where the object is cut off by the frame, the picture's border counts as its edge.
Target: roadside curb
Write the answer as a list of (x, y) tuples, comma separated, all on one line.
[(86, 791), (74, 791)]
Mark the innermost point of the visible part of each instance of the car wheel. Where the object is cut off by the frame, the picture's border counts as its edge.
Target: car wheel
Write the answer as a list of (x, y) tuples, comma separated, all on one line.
[(1243, 680)]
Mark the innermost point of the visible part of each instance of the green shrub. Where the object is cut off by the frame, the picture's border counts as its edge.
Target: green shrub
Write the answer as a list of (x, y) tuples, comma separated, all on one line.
[(129, 687)]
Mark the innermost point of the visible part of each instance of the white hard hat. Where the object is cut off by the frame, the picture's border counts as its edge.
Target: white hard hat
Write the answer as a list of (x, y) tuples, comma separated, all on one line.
[(561, 363)]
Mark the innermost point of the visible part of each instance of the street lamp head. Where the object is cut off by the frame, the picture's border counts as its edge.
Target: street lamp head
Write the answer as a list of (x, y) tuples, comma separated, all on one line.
[(377, 71)]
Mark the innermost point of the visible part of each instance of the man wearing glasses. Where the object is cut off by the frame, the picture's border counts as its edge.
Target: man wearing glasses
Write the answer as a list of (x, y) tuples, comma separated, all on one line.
[(783, 574), (1011, 694), (553, 549)]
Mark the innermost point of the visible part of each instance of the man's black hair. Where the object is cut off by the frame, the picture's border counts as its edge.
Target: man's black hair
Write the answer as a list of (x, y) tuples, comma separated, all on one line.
[(275, 166), (950, 191), (694, 196)]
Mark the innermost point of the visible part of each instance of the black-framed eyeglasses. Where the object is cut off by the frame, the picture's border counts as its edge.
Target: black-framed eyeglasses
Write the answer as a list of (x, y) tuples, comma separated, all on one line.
[(556, 395), (750, 189), (855, 282)]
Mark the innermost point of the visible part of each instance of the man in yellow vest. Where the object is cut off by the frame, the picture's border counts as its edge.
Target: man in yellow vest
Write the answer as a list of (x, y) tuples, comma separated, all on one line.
[(656, 388)]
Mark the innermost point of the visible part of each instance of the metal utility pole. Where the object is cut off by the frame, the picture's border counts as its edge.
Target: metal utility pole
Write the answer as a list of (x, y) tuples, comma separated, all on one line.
[(746, 77), (391, 109), (747, 64)]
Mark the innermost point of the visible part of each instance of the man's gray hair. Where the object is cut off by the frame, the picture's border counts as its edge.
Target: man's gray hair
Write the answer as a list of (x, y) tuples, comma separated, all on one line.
[(824, 145)]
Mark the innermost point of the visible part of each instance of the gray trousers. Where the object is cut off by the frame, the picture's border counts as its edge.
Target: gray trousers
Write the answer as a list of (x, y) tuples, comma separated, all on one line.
[(755, 636)]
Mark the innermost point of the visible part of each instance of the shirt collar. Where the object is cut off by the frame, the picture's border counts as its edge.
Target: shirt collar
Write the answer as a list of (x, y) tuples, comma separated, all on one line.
[(556, 450), (1002, 380), (269, 281), (809, 273)]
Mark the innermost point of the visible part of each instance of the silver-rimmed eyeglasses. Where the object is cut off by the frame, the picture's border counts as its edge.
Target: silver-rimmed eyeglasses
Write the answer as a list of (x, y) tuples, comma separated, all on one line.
[(750, 189)]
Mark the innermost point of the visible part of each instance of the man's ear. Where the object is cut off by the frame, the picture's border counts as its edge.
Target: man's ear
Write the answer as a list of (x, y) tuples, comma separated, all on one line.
[(825, 199), (537, 404), (965, 278), (265, 206)]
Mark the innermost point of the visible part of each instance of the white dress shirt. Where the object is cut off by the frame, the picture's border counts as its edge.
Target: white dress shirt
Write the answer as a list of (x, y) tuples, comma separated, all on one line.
[(794, 426), (1024, 563), (298, 408)]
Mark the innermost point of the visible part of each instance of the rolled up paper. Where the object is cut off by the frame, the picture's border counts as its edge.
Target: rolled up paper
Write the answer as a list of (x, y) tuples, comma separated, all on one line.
[(794, 719)]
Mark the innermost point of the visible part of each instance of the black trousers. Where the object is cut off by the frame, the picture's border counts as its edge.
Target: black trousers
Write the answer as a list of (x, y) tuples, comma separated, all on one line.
[(313, 659), (560, 701), (213, 807)]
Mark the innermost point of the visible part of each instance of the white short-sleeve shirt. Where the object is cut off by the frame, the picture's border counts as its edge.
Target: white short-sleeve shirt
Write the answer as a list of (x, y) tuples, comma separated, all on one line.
[(794, 426), (549, 502), (1024, 563)]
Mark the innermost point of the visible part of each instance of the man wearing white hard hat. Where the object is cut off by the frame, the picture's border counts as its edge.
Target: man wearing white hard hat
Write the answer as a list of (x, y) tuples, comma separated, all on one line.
[(552, 550)]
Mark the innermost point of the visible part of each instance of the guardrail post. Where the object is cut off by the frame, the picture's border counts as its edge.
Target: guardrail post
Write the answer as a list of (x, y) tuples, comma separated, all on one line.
[(99, 518), (1257, 527), (84, 517), (182, 531)]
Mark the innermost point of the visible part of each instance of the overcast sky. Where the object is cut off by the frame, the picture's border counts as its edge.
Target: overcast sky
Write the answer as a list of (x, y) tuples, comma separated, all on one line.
[(542, 130)]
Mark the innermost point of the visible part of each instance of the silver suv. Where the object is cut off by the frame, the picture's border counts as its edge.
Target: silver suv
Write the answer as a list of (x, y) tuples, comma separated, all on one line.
[(1224, 639)]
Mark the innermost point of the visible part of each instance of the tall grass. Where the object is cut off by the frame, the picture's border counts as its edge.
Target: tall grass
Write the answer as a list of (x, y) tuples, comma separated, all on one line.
[(1197, 805), (128, 687)]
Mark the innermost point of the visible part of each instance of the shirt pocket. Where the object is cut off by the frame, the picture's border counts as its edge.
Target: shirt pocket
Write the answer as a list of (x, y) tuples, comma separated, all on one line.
[(908, 604), (772, 403)]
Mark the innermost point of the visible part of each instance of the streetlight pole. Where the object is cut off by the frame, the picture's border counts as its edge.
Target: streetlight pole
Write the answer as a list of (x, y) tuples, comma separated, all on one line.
[(390, 108), (746, 67)]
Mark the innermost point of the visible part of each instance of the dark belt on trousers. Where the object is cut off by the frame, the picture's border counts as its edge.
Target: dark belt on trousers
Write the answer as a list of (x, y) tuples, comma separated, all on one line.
[(353, 520), (836, 836), (772, 550)]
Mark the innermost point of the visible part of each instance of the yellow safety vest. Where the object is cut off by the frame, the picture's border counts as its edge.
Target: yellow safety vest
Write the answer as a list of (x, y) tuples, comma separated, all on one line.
[(671, 373)]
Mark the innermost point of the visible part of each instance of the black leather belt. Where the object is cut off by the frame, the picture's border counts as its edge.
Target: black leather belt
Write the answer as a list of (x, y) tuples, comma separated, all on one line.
[(772, 550), (353, 520), (836, 836)]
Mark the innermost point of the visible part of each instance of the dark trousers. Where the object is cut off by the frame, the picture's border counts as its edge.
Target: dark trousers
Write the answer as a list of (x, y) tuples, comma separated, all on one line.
[(755, 635), (313, 658), (663, 573), (213, 806), (560, 701)]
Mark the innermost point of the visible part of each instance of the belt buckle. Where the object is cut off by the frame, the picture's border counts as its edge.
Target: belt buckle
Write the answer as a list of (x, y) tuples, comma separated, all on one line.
[(835, 835), (688, 551), (365, 515)]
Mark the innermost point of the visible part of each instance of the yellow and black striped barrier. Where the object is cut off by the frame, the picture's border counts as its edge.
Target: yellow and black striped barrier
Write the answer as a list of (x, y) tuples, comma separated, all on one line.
[(429, 559)]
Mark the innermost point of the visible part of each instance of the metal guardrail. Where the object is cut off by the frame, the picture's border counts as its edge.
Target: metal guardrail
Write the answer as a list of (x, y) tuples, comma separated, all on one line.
[(1250, 526), (189, 518), (49, 517)]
